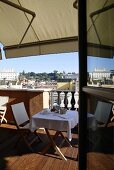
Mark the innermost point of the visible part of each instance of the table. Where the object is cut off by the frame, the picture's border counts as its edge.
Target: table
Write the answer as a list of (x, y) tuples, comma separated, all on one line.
[(57, 122)]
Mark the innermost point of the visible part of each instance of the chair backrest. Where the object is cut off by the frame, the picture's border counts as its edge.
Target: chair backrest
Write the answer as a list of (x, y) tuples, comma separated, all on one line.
[(102, 112), (3, 101), (19, 113)]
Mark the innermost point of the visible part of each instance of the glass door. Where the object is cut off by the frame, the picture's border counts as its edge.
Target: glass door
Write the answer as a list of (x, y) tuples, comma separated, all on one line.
[(100, 84)]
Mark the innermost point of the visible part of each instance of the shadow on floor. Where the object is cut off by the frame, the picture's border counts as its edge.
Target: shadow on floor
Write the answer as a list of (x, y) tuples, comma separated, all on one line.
[(10, 145), (101, 140)]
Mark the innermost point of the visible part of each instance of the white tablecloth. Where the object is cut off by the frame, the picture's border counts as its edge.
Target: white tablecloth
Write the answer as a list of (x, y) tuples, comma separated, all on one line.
[(55, 121)]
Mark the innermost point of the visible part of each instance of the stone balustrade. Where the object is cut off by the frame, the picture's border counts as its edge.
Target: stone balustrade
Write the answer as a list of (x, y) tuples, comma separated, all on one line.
[(65, 98)]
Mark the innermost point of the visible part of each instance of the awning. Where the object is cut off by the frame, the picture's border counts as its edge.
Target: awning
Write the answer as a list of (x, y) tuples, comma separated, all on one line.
[(36, 27), (100, 15)]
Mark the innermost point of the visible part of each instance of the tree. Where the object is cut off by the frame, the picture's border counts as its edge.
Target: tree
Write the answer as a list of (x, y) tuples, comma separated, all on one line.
[(23, 73)]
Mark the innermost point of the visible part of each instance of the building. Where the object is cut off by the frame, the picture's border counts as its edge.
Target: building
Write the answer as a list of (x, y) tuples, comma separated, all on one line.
[(99, 74), (8, 74), (72, 76), (66, 84)]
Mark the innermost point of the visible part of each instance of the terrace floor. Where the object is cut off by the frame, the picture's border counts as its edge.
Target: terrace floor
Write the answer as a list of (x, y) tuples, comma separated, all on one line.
[(18, 157)]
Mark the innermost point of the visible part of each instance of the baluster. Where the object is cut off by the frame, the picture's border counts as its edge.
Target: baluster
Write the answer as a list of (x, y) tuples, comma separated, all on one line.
[(77, 101), (59, 99), (72, 101), (66, 100), (62, 99), (51, 100), (69, 99)]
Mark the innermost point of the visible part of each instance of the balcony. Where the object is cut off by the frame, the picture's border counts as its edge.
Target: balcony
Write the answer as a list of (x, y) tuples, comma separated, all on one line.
[(37, 99), (17, 156)]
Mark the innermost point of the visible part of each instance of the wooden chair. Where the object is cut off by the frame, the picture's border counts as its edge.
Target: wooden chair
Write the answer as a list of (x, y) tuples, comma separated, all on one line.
[(3, 107), (112, 118), (101, 116), (97, 136), (23, 125)]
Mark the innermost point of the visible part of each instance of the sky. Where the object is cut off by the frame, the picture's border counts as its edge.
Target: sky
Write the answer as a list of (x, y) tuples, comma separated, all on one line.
[(100, 63), (67, 62)]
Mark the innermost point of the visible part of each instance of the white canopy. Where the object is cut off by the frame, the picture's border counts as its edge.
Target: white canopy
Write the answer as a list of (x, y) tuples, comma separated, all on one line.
[(53, 28), (100, 25)]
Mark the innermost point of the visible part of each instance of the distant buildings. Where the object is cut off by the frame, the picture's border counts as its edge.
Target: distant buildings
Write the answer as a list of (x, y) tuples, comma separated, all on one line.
[(66, 82), (72, 76), (99, 74), (8, 74)]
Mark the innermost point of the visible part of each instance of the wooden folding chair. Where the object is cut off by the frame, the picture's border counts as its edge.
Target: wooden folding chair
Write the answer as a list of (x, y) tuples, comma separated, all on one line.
[(101, 116), (23, 125), (98, 127), (3, 107)]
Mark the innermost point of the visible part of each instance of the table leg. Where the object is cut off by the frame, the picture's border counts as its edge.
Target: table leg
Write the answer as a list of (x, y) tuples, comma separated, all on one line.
[(55, 136), (55, 146), (49, 144), (65, 138)]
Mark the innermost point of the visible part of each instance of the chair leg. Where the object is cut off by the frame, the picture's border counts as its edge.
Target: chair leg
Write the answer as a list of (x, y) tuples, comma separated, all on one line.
[(3, 118), (33, 140), (26, 142), (40, 139)]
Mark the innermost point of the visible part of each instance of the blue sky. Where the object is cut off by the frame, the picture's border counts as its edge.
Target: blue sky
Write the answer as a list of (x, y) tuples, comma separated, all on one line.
[(100, 63), (67, 62)]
